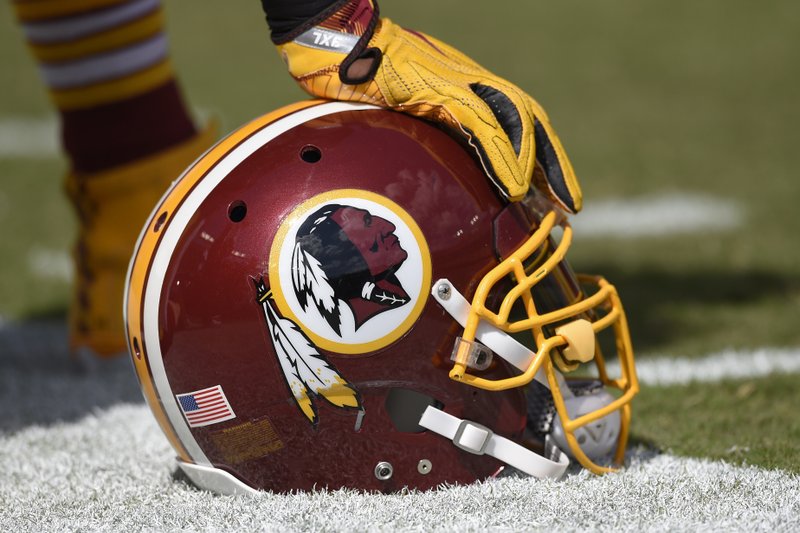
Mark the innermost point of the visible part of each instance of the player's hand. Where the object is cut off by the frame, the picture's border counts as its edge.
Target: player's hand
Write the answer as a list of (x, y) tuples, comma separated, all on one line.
[(352, 54)]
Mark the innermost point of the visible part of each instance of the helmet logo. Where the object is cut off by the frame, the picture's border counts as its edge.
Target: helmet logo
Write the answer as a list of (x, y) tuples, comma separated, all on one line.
[(352, 268), (307, 373), (345, 253)]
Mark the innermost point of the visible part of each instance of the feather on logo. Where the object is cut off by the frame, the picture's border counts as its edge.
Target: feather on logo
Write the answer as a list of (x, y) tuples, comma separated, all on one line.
[(307, 373), (309, 279)]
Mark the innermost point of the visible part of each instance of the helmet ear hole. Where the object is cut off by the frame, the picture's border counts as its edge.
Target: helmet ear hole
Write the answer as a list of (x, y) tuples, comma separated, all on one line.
[(405, 408)]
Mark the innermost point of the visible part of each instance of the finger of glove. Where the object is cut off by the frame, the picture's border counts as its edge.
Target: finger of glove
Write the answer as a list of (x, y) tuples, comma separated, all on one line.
[(478, 122), (487, 136), (511, 108), (562, 182)]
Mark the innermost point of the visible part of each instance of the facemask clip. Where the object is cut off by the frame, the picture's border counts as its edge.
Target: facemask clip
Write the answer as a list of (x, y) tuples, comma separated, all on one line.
[(471, 354)]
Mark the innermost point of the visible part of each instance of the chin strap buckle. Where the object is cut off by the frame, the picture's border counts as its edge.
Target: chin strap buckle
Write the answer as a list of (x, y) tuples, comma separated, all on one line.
[(480, 440), (472, 437)]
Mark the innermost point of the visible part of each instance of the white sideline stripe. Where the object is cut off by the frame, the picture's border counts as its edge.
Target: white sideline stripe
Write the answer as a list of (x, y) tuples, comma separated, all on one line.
[(81, 26), (727, 364), (26, 137), (50, 264), (659, 215)]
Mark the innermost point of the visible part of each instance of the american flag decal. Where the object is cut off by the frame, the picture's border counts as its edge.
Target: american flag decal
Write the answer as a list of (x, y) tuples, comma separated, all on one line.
[(205, 406)]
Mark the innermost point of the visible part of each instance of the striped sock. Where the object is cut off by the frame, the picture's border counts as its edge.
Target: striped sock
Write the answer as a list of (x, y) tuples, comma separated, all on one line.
[(107, 68)]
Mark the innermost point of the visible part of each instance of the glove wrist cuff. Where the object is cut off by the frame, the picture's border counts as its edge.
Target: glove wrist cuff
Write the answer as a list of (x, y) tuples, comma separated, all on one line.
[(334, 40), (310, 23)]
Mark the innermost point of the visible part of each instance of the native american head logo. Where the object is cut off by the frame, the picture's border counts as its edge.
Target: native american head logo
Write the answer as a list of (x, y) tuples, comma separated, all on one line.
[(345, 253), (349, 273)]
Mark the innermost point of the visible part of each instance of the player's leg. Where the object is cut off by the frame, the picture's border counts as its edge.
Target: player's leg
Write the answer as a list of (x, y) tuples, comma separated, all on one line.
[(125, 130)]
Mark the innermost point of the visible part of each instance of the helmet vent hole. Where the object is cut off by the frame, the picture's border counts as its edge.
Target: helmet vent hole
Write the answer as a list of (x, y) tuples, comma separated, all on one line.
[(310, 154), (136, 350), (160, 222), (237, 211)]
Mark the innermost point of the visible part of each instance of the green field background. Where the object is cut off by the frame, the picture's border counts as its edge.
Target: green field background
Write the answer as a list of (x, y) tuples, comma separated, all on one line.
[(649, 98)]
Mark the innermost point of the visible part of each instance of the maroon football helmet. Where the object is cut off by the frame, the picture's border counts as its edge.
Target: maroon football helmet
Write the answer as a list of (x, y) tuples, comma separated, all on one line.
[(335, 296)]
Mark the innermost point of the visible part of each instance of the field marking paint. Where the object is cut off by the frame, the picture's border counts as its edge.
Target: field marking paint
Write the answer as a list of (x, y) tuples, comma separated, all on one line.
[(50, 264), (29, 137), (727, 364), (657, 215)]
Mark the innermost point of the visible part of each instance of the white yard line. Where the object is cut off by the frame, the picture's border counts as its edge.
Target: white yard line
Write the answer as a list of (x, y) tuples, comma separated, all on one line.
[(657, 215), (50, 264), (727, 364), (29, 137)]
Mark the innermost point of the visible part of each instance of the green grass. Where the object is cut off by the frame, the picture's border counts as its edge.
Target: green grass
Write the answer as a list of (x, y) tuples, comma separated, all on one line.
[(753, 421), (648, 98), (34, 218)]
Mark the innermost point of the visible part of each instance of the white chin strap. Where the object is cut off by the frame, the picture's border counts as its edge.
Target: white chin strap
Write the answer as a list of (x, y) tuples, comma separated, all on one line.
[(478, 439)]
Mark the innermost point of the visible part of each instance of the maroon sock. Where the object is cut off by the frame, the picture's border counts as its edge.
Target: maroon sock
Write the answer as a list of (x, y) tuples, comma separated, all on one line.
[(103, 137)]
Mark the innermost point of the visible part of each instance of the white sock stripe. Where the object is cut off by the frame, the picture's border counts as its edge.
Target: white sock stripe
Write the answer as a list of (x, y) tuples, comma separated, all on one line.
[(69, 29), (727, 364), (109, 66)]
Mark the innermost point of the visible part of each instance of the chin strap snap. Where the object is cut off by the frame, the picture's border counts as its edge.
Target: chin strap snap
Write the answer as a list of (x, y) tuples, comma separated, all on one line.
[(479, 440)]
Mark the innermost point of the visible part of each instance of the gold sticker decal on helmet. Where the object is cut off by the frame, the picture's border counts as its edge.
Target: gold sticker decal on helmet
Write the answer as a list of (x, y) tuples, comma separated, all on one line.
[(352, 269), (247, 441)]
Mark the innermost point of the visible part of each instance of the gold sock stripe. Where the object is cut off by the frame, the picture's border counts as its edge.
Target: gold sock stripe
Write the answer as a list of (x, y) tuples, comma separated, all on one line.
[(115, 90), (33, 10), (112, 39)]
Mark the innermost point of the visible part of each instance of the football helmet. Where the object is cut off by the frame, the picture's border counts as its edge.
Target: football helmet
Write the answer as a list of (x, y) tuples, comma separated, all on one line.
[(336, 296)]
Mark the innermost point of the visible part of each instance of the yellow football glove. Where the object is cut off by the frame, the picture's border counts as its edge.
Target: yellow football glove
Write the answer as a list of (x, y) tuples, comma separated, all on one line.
[(349, 53)]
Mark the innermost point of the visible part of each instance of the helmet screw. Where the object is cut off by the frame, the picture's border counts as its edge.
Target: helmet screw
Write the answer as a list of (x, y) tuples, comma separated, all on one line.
[(383, 470), (443, 290), (424, 467)]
